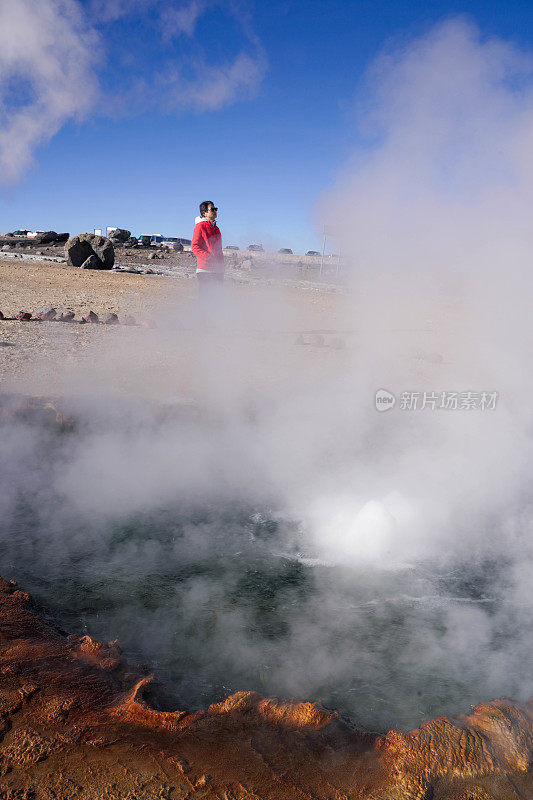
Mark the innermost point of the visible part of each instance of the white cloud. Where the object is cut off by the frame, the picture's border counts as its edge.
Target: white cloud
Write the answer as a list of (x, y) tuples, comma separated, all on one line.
[(200, 83), (51, 58), (184, 19), (216, 86), (111, 10), (48, 56)]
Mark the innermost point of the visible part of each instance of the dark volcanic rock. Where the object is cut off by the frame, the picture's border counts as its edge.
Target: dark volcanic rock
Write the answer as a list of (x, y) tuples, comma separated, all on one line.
[(46, 238), (79, 248), (93, 262), (50, 237), (24, 316), (120, 235), (67, 316), (90, 316), (111, 319)]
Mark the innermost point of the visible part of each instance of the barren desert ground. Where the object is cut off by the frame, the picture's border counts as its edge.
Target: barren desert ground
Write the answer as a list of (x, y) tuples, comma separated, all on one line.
[(268, 334)]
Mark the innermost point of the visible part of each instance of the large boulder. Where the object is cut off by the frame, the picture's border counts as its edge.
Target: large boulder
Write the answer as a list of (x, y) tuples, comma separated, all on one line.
[(50, 237), (93, 262), (79, 248), (119, 235)]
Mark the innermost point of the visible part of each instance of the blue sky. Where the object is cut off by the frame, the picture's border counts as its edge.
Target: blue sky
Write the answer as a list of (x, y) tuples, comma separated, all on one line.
[(148, 129)]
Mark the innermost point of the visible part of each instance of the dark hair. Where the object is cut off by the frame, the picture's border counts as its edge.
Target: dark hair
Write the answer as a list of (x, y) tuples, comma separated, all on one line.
[(204, 207)]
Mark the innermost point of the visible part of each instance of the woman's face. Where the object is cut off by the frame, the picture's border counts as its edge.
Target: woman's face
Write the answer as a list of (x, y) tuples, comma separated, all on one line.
[(211, 212)]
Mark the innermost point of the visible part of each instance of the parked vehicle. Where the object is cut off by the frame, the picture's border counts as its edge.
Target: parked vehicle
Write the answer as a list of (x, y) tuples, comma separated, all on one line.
[(176, 240), (172, 244), (165, 241), (231, 247), (20, 233), (312, 253), (286, 251), (155, 238), (256, 248)]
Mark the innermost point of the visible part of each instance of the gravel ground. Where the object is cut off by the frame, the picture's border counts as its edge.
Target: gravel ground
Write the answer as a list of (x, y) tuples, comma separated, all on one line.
[(170, 360), (277, 331)]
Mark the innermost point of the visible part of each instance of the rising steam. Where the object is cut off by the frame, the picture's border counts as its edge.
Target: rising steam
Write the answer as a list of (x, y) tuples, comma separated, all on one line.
[(285, 535)]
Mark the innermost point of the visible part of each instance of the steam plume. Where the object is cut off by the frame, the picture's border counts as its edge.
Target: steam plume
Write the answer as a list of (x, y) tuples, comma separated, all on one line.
[(289, 538)]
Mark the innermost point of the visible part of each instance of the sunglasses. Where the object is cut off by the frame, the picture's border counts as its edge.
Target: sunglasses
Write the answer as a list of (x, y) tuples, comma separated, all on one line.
[(212, 208)]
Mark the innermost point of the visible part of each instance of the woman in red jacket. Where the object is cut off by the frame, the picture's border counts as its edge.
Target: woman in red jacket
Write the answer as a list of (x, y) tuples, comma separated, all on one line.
[(207, 247)]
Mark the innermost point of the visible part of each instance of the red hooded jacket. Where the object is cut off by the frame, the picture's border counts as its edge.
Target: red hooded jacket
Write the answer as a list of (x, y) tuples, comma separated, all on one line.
[(206, 245)]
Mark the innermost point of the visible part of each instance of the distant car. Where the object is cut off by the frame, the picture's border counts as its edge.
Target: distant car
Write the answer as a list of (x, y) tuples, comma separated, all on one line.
[(312, 253), (172, 243), (231, 247), (155, 238), (20, 233), (176, 239), (286, 250), (256, 248)]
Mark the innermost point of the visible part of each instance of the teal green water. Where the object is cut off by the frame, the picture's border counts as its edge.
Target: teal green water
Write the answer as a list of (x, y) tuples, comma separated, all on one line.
[(216, 597), (209, 602)]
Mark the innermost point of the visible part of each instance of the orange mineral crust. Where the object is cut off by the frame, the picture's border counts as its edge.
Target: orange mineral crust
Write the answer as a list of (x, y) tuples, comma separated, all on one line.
[(73, 724)]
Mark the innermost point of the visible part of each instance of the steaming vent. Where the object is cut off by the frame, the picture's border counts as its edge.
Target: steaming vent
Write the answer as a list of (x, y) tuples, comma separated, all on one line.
[(217, 592)]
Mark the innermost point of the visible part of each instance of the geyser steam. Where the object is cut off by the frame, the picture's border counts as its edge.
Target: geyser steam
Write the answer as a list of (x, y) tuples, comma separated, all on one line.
[(291, 538)]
